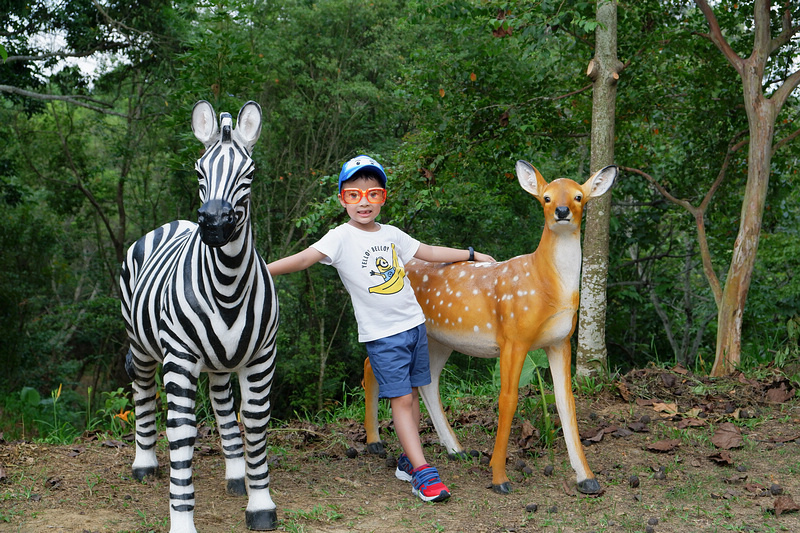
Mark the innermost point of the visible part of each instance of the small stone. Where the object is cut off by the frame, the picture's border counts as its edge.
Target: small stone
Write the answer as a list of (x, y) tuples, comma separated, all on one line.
[(741, 468), (593, 416), (653, 521), (351, 453), (649, 529), (485, 460), (645, 419), (775, 489), (475, 453), (548, 470), (520, 464), (531, 507), (633, 481), (553, 509), (527, 471), (660, 475)]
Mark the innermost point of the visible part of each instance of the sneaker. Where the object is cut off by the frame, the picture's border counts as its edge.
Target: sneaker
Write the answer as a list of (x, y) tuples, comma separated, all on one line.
[(404, 468), (427, 485)]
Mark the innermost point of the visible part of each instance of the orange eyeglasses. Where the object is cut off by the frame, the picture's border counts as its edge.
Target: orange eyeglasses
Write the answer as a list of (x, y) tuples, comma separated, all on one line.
[(375, 195)]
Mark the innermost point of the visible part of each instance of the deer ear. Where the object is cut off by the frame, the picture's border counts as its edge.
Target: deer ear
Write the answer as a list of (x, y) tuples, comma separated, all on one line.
[(601, 182), (204, 123), (529, 178), (248, 124)]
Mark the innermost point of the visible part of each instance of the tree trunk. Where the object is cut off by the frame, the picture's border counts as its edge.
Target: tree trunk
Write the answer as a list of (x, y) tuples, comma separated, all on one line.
[(604, 70), (737, 283)]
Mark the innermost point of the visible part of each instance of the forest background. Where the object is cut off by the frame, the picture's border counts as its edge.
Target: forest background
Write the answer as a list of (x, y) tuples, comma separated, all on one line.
[(97, 149)]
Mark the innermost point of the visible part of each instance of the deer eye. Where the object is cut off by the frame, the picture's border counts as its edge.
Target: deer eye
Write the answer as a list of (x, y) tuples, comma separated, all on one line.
[(578, 198), (547, 199)]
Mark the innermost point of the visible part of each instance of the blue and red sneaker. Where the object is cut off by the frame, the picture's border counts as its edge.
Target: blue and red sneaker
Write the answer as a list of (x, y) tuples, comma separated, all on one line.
[(404, 468), (427, 485)]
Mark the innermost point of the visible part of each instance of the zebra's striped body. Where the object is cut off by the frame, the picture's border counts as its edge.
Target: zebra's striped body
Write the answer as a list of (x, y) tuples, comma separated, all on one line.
[(197, 297)]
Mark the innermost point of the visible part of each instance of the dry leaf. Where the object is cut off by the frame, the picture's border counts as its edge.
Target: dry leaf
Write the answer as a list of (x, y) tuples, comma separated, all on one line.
[(689, 422), (664, 445), (721, 458), (623, 391), (727, 436), (785, 504), (669, 408), (638, 427)]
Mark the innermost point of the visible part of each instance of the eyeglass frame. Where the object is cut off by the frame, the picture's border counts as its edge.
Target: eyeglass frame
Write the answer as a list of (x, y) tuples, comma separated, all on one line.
[(362, 194)]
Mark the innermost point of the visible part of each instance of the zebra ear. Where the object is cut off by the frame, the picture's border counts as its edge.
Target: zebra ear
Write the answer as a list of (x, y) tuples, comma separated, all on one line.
[(204, 123), (248, 124)]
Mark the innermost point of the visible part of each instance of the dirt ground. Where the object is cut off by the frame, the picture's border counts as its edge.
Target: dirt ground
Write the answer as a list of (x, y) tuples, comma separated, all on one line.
[(659, 442)]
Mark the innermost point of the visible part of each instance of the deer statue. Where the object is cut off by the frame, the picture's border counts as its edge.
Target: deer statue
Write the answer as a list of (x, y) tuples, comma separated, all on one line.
[(505, 310)]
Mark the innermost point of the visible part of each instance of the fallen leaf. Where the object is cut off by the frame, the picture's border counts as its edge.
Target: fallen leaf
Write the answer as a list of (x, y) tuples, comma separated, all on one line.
[(622, 432), (727, 436), (638, 427), (738, 478), (678, 369), (669, 408), (642, 402), (689, 422), (623, 391), (755, 488), (780, 394), (721, 458), (785, 504), (664, 445)]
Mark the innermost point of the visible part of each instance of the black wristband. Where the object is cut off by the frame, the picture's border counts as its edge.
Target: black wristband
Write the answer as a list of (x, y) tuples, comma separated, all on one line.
[(471, 254)]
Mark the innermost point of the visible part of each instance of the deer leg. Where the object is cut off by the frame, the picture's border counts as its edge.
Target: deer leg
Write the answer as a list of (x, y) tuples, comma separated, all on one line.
[(511, 359), (439, 354), (370, 384), (219, 385), (255, 383), (141, 370), (560, 360)]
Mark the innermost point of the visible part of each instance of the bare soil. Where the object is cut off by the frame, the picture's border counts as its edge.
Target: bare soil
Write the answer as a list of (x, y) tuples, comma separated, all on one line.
[(666, 428)]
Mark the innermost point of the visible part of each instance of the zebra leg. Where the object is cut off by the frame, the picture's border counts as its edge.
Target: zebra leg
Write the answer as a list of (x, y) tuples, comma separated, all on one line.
[(232, 447), (255, 382), (180, 384), (142, 370)]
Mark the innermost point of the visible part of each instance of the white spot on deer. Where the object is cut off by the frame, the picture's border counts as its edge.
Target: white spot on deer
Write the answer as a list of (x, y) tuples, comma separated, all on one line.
[(462, 273), (476, 329), (488, 325), (425, 278), (475, 291), (458, 294)]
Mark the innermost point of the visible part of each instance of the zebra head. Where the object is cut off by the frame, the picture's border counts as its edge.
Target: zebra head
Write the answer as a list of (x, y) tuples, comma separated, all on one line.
[(225, 171)]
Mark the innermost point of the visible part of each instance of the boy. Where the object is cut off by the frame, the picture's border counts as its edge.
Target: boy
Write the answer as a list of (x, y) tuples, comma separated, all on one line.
[(369, 258)]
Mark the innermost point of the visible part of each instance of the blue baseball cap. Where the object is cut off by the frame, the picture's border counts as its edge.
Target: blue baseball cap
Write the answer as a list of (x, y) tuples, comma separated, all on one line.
[(357, 164)]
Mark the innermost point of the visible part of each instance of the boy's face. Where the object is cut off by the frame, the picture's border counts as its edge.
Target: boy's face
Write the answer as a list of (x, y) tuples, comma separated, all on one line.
[(363, 212)]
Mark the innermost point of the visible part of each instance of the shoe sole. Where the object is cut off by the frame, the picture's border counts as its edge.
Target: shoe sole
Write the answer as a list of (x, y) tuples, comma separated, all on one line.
[(402, 475), (442, 496)]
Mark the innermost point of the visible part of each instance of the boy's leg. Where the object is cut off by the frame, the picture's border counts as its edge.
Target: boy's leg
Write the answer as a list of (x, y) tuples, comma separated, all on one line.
[(405, 414)]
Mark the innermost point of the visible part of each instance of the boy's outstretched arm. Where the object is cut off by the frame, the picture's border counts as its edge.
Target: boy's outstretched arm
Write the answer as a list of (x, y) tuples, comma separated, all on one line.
[(293, 263), (443, 254)]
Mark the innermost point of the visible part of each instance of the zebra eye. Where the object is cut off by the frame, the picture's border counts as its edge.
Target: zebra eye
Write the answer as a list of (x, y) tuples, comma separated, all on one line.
[(200, 176)]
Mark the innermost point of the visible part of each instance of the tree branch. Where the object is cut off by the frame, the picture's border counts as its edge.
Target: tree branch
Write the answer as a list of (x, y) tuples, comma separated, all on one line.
[(716, 37), (70, 99)]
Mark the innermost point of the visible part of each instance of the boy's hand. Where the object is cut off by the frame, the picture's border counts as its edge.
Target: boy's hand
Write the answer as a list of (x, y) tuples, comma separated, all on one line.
[(484, 258)]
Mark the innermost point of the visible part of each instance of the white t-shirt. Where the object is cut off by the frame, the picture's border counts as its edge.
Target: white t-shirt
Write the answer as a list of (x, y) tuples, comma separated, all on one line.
[(371, 266)]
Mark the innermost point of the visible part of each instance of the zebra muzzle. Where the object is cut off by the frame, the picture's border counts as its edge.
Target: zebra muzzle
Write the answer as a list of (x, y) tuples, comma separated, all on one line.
[(217, 220)]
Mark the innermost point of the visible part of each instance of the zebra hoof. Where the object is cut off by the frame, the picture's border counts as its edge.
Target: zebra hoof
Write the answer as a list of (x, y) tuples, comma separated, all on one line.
[(589, 486), (148, 471), (266, 520), (236, 487), (376, 448), (502, 488)]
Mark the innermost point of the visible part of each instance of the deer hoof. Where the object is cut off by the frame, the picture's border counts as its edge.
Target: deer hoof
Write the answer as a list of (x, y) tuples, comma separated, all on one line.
[(266, 520), (376, 448), (236, 487), (502, 488), (461, 456), (140, 473), (589, 486)]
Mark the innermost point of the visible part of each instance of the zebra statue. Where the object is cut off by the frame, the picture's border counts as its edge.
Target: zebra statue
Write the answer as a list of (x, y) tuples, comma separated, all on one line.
[(197, 297)]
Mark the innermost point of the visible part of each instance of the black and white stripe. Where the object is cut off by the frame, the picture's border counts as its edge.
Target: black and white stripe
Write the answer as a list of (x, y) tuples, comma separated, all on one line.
[(197, 297)]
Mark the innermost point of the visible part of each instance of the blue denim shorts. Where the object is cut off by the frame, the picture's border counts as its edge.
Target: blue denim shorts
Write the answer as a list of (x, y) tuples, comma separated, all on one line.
[(400, 362)]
